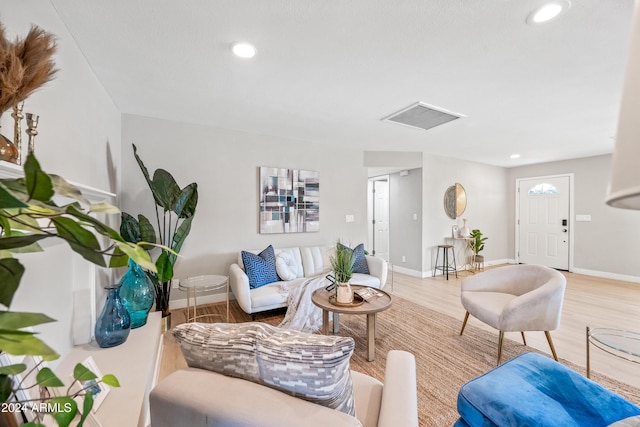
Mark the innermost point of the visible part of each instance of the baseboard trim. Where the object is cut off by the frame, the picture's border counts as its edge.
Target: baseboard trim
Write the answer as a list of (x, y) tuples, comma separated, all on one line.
[(408, 271), (607, 275), (500, 261), (586, 272), (429, 273)]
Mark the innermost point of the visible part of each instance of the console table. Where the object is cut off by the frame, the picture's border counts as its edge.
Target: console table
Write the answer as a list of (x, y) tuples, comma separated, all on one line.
[(463, 252), (135, 363)]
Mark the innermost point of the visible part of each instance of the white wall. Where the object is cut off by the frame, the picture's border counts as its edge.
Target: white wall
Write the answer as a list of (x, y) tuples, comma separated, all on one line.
[(79, 138), (609, 243), (381, 163), (225, 165), (405, 239), (488, 205), (79, 127)]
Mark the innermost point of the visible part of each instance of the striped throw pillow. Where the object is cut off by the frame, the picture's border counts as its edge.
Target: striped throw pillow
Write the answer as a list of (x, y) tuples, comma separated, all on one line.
[(308, 366)]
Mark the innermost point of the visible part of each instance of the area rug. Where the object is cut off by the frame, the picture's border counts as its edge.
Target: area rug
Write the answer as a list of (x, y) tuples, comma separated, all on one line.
[(444, 359)]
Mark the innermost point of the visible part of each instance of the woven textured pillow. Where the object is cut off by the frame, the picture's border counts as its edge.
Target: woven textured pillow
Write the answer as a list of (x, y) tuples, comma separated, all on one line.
[(261, 268), (285, 265), (360, 265), (308, 366)]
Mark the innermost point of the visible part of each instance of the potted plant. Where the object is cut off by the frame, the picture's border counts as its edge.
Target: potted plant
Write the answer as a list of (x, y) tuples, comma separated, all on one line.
[(28, 214), (175, 209), (342, 265), (477, 245)]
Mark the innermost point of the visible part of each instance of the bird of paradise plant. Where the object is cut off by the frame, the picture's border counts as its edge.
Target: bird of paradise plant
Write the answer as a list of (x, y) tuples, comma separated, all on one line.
[(175, 209)]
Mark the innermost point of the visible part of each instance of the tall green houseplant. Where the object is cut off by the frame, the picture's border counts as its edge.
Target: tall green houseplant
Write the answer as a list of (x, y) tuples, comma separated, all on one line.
[(175, 209)]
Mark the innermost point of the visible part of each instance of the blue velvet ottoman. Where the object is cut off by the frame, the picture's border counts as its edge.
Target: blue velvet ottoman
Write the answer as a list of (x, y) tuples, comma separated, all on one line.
[(534, 390)]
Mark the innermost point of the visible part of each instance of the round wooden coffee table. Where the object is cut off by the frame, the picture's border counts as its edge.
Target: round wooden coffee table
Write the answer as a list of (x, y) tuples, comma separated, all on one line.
[(375, 305)]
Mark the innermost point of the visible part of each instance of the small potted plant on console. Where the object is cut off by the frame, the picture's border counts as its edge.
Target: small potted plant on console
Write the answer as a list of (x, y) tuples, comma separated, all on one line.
[(342, 265)]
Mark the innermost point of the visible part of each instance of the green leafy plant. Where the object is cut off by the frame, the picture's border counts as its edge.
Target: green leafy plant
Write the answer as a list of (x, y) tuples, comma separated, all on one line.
[(342, 263), (477, 244), (62, 408), (28, 214), (175, 209)]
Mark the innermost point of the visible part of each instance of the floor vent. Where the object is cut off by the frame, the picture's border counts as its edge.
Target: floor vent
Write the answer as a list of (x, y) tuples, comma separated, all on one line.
[(422, 116)]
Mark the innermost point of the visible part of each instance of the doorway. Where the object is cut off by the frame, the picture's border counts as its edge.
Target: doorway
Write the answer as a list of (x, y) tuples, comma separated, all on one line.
[(379, 222), (544, 226)]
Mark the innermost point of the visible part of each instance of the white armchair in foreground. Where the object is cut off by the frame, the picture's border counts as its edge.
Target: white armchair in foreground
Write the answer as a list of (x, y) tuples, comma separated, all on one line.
[(515, 298)]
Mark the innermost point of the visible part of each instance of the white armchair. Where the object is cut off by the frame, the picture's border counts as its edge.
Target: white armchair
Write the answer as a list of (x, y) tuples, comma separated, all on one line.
[(515, 298)]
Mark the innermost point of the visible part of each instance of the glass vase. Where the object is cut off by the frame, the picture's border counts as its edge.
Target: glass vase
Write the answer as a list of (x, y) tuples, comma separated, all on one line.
[(464, 231), (114, 323), (136, 292)]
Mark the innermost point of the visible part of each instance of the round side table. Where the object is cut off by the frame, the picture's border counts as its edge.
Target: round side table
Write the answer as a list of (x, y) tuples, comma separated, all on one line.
[(618, 342), (199, 284), (320, 298)]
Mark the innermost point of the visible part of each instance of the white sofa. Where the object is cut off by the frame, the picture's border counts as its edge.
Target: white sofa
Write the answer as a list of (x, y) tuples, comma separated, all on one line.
[(199, 398), (310, 262)]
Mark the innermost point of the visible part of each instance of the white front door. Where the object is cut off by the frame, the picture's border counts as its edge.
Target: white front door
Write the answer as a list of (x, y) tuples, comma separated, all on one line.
[(543, 221), (381, 219)]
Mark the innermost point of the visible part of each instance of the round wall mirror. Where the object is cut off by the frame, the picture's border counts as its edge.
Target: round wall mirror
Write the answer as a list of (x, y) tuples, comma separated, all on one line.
[(455, 201)]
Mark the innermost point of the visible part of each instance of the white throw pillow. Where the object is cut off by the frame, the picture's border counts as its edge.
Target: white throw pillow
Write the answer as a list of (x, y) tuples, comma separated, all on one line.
[(286, 266)]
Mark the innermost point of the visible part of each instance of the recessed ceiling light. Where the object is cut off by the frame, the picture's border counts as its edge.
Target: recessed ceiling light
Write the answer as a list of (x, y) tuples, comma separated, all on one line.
[(515, 156), (547, 11), (244, 50)]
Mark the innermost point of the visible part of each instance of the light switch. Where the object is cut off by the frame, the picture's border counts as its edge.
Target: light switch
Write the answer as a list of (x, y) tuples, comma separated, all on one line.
[(350, 218), (583, 218), (415, 217)]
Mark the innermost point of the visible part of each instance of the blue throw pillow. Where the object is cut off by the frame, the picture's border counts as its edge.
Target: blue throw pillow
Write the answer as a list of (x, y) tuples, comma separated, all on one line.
[(261, 268), (360, 266)]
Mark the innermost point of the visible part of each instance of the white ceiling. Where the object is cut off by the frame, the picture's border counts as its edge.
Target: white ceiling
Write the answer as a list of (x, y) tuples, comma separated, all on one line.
[(327, 71)]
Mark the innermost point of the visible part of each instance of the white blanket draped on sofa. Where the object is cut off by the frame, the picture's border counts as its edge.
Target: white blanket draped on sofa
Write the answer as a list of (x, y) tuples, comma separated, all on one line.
[(302, 313)]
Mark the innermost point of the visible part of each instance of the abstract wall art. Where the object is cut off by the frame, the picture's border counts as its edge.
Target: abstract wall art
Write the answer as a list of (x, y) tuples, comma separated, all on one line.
[(289, 201)]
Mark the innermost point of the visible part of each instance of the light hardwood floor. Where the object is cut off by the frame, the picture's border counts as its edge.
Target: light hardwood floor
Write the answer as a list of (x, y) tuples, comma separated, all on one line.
[(589, 301)]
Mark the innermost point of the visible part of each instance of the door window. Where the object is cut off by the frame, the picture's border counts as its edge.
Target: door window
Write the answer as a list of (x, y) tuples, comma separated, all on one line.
[(543, 188)]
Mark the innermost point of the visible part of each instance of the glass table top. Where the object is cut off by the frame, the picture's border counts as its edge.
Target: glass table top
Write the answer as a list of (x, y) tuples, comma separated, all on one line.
[(616, 341), (208, 282)]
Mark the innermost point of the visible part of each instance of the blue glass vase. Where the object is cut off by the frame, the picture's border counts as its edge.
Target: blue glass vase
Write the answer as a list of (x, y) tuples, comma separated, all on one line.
[(113, 324), (136, 292)]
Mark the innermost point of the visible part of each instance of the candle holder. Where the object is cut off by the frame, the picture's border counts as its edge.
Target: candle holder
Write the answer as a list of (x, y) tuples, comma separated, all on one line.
[(32, 124), (17, 131)]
